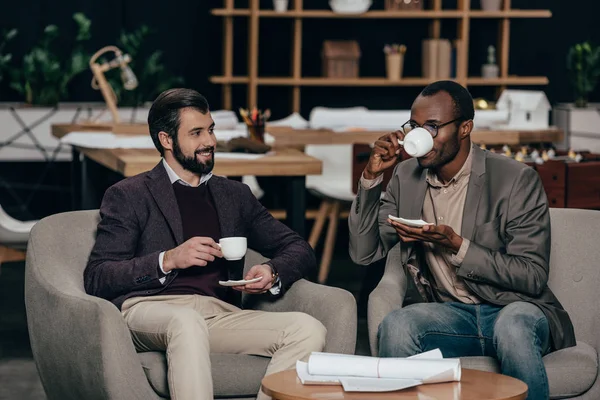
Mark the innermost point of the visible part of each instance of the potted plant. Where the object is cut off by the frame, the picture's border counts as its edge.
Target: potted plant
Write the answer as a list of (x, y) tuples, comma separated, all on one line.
[(42, 78), (583, 63)]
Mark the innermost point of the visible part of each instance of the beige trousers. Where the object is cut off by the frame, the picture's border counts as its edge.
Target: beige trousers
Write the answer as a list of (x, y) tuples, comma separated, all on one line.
[(189, 327)]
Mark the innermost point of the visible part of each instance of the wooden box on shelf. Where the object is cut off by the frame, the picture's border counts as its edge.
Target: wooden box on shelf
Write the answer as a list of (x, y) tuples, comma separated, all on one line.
[(404, 4), (341, 59)]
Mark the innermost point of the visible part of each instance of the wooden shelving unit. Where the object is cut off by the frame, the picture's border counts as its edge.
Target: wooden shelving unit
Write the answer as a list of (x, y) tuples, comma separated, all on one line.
[(298, 14)]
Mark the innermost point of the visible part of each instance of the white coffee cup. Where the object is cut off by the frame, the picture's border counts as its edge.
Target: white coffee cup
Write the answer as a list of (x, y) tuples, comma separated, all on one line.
[(417, 142), (233, 248)]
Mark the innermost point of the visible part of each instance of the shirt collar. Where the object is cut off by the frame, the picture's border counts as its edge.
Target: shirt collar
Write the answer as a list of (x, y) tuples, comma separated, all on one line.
[(173, 177), (465, 170)]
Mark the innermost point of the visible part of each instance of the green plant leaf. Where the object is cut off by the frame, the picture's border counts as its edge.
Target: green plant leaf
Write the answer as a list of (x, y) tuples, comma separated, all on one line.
[(84, 27)]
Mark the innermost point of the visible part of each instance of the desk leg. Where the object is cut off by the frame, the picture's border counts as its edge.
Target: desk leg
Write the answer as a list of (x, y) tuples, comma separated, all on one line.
[(296, 204), (75, 179), (89, 192)]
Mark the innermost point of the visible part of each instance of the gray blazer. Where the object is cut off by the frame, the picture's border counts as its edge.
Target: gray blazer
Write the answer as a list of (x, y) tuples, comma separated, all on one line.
[(140, 218), (506, 218)]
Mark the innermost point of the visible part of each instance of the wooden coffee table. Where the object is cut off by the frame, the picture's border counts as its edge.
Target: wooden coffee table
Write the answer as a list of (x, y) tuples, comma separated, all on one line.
[(474, 385)]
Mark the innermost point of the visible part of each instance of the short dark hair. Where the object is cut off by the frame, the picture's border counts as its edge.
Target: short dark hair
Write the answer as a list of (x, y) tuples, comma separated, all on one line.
[(164, 113), (462, 99)]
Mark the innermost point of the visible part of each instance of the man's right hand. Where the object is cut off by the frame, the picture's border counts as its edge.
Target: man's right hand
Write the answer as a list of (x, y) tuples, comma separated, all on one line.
[(384, 155), (197, 251)]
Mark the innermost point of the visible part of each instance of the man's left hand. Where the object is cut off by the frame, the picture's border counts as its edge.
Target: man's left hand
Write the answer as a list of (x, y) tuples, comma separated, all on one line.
[(257, 287), (442, 235)]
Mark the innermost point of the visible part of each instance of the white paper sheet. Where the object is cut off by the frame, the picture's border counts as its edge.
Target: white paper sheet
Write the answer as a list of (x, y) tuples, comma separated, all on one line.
[(427, 370), (361, 384), (238, 156), (108, 140)]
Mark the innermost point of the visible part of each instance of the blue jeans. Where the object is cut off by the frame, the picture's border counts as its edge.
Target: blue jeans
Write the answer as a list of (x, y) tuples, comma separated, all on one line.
[(517, 335)]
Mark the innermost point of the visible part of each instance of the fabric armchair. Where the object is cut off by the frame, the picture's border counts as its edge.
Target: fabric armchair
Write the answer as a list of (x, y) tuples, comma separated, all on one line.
[(83, 349), (574, 279)]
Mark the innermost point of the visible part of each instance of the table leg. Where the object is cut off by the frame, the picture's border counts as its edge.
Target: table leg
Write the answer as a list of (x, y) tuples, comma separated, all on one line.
[(89, 192), (75, 179), (296, 204)]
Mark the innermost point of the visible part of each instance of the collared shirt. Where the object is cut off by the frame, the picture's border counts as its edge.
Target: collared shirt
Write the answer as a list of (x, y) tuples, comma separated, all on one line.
[(444, 205), (173, 177)]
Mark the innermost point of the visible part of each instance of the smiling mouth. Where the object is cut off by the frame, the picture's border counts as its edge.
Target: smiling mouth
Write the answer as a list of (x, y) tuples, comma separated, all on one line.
[(205, 153)]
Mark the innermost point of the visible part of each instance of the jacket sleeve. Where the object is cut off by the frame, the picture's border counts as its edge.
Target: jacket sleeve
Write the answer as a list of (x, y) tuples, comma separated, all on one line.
[(523, 265), (371, 237), (289, 253), (113, 269)]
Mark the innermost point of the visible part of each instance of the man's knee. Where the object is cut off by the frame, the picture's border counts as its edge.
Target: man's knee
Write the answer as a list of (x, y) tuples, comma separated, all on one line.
[(188, 322), (398, 333), (403, 323), (518, 322), (308, 330)]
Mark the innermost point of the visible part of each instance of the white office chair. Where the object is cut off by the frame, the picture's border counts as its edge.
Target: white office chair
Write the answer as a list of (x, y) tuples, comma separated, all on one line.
[(14, 235), (334, 186)]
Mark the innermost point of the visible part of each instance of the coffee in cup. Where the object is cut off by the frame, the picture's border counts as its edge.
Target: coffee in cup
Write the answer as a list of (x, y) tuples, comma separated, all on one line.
[(417, 142), (233, 248)]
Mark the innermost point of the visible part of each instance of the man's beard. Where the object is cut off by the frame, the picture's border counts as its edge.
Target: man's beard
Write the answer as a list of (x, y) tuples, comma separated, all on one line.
[(191, 163)]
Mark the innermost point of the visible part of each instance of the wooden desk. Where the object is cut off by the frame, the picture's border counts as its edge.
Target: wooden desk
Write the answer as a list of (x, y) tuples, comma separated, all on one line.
[(298, 137), (285, 136), (474, 384), (294, 164), (284, 162)]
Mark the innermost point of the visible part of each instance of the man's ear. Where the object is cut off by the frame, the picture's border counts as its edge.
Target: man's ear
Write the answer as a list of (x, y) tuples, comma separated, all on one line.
[(165, 140), (465, 129)]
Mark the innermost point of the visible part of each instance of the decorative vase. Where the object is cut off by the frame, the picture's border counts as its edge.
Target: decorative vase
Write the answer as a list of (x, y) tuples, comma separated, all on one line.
[(280, 5), (394, 66), (491, 5)]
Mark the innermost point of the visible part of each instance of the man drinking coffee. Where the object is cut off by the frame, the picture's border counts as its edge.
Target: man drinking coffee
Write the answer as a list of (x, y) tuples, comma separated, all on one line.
[(480, 269), (157, 259)]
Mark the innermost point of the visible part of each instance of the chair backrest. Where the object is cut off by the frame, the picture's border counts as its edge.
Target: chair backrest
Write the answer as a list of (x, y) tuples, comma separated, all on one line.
[(64, 242), (575, 268), (337, 165)]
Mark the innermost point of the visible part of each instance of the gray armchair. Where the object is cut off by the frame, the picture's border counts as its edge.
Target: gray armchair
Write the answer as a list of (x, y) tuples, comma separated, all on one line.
[(574, 278), (83, 349)]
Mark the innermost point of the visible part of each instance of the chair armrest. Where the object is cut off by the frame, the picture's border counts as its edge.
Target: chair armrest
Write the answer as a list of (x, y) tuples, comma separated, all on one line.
[(334, 307), (81, 344), (387, 296)]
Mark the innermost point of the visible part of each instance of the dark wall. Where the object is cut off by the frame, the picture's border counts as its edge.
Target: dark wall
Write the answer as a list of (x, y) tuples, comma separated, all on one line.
[(191, 40)]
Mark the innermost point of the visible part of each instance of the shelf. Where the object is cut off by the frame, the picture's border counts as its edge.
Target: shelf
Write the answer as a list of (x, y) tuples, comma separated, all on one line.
[(409, 81), (511, 14), (511, 80), (370, 14), (380, 14), (232, 80)]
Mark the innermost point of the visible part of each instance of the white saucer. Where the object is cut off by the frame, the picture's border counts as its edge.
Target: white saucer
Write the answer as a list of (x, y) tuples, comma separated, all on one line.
[(416, 223)]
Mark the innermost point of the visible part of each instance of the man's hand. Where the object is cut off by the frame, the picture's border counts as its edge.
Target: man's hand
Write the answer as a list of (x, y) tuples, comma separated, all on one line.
[(442, 235), (384, 154), (261, 286), (197, 251)]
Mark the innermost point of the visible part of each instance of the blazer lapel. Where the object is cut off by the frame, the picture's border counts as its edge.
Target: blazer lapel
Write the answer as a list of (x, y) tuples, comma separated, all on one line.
[(474, 190), (162, 191), (412, 196)]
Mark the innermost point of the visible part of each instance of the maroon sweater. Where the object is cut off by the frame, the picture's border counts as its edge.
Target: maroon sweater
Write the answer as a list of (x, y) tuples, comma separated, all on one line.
[(199, 218)]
